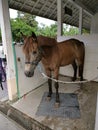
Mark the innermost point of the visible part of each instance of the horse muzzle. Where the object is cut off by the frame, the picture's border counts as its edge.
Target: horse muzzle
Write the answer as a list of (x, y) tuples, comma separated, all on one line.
[(29, 74)]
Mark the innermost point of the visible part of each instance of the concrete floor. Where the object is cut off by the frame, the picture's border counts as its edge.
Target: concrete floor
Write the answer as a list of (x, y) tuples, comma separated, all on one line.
[(87, 103), (7, 124)]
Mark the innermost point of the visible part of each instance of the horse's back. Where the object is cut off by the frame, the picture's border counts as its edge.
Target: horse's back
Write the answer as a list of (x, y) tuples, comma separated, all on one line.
[(46, 41), (72, 44), (70, 50)]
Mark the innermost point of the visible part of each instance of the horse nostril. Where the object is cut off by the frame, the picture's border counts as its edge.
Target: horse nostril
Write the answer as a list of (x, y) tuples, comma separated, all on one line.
[(29, 74), (34, 52)]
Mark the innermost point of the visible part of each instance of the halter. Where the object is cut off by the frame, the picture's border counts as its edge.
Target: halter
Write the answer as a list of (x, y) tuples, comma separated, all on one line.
[(32, 63), (37, 59)]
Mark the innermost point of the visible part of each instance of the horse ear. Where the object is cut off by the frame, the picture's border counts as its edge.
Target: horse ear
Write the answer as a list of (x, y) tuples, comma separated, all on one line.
[(33, 35), (22, 35)]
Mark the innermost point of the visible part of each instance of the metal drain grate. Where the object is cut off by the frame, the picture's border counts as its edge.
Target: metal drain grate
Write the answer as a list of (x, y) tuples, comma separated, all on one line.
[(69, 106)]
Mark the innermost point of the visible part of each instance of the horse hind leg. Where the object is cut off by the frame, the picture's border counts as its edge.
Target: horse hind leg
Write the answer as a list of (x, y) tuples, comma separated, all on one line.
[(81, 67), (81, 62), (74, 65), (81, 72)]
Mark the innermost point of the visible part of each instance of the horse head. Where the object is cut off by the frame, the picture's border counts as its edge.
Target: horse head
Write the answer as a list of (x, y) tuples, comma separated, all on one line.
[(32, 54)]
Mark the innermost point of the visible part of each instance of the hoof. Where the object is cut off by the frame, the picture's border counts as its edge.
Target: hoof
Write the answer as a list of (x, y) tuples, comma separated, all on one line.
[(57, 105), (48, 98)]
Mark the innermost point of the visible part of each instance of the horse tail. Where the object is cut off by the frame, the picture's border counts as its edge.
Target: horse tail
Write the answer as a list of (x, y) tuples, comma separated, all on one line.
[(80, 50), (83, 51), (80, 56)]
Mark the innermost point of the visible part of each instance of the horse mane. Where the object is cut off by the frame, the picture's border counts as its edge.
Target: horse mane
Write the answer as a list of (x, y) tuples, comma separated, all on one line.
[(46, 41), (42, 41)]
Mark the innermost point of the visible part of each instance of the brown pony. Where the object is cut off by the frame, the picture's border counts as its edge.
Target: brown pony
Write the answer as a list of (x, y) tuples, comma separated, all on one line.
[(53, 55)]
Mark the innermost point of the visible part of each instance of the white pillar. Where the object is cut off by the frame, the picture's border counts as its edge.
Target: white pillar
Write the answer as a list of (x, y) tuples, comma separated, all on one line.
[(80, 20), (96, 119), (94, 24), (7, 43), (59, 18)]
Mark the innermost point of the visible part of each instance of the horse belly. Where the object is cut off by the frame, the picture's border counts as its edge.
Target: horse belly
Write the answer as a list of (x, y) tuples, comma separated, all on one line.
[(66, 60)]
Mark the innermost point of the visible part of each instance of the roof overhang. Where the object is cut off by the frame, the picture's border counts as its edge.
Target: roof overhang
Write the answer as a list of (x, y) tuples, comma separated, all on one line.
[(48, 9)]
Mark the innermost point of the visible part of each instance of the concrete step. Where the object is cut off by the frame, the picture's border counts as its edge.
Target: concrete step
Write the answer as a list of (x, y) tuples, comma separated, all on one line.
[(21, 118), (8, 124)]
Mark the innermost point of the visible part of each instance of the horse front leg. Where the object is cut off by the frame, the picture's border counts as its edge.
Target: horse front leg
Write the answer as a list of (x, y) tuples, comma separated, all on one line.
[(74, 65), (56, 74), (57, 103), (49, 84), (50, 89)]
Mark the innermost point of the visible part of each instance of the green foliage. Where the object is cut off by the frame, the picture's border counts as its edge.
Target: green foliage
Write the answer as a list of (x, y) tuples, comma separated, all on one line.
[(19, 26), (70, 30), (50, 31), (25, 23), (85, 31), (28, 19)]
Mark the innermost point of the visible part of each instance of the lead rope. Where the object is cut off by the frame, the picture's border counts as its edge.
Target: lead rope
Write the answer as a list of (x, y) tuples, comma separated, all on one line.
[(64, 82)]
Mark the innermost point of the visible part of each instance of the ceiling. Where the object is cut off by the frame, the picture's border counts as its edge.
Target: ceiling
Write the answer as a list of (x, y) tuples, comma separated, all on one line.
[(48, 9)]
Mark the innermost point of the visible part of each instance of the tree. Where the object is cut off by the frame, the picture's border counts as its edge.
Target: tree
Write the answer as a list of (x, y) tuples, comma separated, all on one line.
[(23, 24), (50, 31), (28, 19), (26, 23), (19, 26), (70, 30)]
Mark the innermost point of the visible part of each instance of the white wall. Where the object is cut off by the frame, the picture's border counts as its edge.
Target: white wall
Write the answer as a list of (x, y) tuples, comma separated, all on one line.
[(27, 84), (91, 56)]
